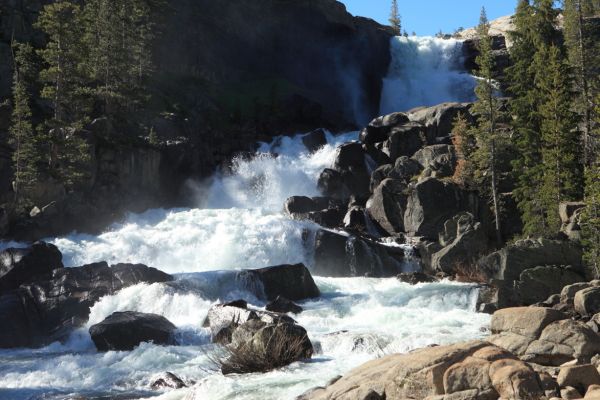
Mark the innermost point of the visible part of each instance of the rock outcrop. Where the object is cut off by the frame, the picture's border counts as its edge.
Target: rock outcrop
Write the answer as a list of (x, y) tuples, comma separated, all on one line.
[(126, 330), (529, 271), (473, 370), (46, 309)]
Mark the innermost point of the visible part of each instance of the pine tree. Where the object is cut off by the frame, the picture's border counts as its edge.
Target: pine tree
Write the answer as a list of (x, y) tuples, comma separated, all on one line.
[(582, 49), (590, 218), (119, 34), (21, 136), (562, 173), (395, 20), (64, 82), (486, 131), (534, 30)]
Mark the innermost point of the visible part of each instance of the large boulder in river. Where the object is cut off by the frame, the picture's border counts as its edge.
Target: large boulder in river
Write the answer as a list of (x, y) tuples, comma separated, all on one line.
[(291, 281), (432, 202), (21, 265), (387, 205), (315, 140), (46, 310), (351, 161), (339, 255), (257, 346), (126, 330), (472, 370)]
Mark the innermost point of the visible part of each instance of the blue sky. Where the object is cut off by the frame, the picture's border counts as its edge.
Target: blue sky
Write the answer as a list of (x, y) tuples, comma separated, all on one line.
[(427, 17)]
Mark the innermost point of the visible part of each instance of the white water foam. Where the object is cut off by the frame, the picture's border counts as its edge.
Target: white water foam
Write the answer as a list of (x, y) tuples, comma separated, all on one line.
[(425, 71), (355, 320)]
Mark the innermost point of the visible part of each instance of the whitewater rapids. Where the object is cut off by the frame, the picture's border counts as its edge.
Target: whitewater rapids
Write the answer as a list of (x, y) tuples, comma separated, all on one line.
[(240, 224)]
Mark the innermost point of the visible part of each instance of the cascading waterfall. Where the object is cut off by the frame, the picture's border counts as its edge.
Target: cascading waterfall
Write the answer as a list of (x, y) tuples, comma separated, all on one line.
[(425, 71), (241, 225)]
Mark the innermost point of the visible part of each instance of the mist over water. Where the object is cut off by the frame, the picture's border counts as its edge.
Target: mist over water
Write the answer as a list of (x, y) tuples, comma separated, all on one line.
[(425, 71), (240, 224)]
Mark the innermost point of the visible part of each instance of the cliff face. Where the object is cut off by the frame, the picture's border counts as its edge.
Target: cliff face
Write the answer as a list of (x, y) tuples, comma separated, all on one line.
[(311, 50), (228, 73), (307, 53)]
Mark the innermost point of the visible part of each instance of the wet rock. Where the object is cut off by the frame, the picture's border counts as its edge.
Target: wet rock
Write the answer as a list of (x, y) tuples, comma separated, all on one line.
[(331, 183), (223, 317), (22, 265), (292, 281), (283, 305), (387, 205), (338, 255), (355, 218), (315, 140), (300, 205), (379, 129), (49, 309), (168, 380), (260, 347), (415, 277), (126, 330)]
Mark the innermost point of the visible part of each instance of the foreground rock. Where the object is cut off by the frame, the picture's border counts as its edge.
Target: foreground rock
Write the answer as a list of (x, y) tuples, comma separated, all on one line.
[(293, 282), (126, 330), (255, 340), (473, 370), (283, 305), (45, 310)]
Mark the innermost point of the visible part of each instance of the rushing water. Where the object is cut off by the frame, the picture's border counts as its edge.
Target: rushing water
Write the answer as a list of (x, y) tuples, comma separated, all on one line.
[(425, 71), (239, 225)]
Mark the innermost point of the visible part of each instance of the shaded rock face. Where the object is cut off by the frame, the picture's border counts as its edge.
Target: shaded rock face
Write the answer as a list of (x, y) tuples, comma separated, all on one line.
[(432, 202), (246, 41), (126, 330), (464, 241), (439, 120), (291, 281), (338, 255), (387, 205), (18, 266), (349, 176), (45, 310), (473, 370), (528, 271)]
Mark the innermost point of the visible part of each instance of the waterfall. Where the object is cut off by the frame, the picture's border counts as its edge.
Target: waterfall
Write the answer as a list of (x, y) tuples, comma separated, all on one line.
[(425, 71), (240, 224)]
